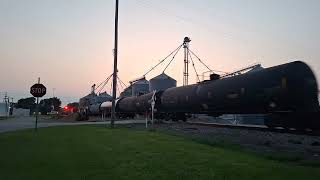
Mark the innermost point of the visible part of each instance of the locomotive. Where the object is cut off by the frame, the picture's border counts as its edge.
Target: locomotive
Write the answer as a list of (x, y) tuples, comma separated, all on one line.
[(287, 94)]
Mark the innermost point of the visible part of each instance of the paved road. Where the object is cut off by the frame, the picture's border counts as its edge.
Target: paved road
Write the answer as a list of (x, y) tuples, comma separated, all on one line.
[(16, 123)]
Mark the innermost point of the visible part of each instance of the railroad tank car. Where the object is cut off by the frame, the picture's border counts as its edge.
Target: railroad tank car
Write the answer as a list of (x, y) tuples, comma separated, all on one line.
[(287, 93), (143, 103), (137, 104), (290, 87), (127, 104), (181, 99), (126, 107), (106, 108)]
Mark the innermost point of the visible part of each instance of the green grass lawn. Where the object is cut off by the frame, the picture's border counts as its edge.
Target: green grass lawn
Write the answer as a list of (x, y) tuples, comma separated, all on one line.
[(97, 152)]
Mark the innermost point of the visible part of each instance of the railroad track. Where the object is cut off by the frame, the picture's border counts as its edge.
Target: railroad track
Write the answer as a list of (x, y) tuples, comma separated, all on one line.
[(257, 128)]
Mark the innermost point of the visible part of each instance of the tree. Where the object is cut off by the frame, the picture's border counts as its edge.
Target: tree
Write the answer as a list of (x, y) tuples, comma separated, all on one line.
[(26, 103), (56, 103), (47, 105)]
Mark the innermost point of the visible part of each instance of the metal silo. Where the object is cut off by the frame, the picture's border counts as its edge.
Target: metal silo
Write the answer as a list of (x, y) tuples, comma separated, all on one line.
[(140, 87), (102, 97), (127, 92), (162, 82)]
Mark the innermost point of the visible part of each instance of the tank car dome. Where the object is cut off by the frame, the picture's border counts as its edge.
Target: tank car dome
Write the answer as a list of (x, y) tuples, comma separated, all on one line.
[(162, 82), (258, 68)]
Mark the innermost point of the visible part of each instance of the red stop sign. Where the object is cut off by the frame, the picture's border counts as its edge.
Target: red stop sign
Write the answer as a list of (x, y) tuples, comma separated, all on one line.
[(38, 90)]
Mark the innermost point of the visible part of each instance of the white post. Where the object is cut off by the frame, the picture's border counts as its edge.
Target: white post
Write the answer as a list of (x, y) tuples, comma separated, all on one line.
[(152, 111), (152, 116), (152, 105)]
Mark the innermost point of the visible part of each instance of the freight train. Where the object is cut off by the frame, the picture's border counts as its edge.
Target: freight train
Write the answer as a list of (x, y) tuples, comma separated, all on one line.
[(287, 94)]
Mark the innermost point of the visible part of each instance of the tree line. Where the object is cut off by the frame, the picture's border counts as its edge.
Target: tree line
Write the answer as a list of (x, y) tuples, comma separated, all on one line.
[(45, 105)]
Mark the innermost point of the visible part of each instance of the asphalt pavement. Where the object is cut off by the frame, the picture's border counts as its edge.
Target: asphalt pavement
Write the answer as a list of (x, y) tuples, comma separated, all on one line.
[(28, 122)]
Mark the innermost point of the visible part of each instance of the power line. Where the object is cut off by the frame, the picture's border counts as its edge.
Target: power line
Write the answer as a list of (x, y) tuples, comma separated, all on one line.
[(121, 82), (104, 82), (195, 70), (162, 60), (172, 58), (205, 64), (199, 59), (188, 53)]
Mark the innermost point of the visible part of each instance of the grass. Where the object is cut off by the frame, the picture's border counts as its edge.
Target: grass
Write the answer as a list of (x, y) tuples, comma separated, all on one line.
[(97, 152), (296, 158)]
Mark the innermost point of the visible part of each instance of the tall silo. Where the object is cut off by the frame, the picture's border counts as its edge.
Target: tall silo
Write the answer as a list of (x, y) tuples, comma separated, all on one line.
[(102, 97), (140, 87), (127, 92), (162, 82)]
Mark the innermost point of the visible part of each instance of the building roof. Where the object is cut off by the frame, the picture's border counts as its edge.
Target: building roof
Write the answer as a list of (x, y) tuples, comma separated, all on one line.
[(163, 76), (143, 81)]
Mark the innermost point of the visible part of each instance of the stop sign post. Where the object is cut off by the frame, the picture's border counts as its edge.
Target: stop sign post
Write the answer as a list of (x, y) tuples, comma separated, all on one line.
[(38, 90)]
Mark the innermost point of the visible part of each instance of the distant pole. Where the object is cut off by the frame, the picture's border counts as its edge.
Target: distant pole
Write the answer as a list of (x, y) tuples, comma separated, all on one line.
[(37, 109), (6, 103), (153, 102), (115, 69), (53, 89)]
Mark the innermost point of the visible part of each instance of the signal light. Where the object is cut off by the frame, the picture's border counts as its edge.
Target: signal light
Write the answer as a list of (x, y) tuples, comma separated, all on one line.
[(66, 108)]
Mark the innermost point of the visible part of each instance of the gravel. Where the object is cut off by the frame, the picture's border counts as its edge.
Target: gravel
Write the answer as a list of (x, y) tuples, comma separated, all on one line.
[(304, 146)]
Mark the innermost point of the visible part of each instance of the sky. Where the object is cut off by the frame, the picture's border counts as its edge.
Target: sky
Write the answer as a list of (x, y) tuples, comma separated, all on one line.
[(69, 43)]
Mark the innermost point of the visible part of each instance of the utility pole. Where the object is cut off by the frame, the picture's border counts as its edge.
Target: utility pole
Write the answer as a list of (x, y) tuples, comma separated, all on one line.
[(115, 69), (186, 60)]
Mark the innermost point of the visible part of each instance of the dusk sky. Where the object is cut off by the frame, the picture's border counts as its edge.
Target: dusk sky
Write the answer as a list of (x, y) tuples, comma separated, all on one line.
[(68, 43)]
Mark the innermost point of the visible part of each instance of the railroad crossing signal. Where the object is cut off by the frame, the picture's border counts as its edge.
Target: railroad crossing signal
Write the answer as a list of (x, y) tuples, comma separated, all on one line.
[(38, 90)]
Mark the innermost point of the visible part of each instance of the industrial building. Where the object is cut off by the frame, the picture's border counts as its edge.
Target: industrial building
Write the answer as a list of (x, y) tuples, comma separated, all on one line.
[(142, 86)]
